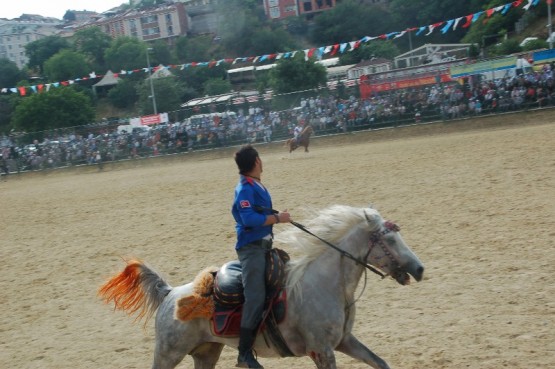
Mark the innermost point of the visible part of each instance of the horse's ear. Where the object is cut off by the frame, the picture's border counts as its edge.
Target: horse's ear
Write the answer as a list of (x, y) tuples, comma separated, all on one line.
[(371, 217)]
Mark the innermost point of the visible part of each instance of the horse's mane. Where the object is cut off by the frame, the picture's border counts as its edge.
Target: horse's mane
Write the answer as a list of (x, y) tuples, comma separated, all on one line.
[(306, 129), (332, 225)]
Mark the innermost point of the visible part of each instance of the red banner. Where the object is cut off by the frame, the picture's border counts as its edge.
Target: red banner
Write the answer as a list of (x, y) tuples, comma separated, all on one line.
[(147, 120), (367, 88)]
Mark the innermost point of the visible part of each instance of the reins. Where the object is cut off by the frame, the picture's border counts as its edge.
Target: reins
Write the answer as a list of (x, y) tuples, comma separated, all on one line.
[(342, 252)]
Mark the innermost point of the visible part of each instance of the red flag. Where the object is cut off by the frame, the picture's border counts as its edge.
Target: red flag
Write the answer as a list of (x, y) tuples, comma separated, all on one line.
[(334, 49), (489, 12), (517, 3), (22, 90), (468, 21)]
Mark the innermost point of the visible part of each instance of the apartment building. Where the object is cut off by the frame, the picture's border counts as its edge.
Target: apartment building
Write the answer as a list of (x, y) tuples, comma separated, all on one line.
[(16, 33), (164, 22)]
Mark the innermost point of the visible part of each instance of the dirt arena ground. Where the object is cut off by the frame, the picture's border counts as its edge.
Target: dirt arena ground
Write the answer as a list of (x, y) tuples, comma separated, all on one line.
[(475, 200)]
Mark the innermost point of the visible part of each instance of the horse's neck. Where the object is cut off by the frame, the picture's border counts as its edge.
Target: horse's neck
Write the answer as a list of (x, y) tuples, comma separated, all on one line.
[(346, 272)]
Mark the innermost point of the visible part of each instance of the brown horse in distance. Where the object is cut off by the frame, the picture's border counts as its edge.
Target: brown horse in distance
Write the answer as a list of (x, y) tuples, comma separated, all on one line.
[(303, 139)]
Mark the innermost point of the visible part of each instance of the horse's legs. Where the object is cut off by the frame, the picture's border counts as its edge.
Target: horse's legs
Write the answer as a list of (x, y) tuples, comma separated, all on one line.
[(207, 355), (352, 347), (324, 359), (168, 360)]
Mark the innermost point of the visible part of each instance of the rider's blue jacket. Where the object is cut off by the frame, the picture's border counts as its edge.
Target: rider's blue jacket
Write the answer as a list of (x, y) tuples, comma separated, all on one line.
[(250, 208)]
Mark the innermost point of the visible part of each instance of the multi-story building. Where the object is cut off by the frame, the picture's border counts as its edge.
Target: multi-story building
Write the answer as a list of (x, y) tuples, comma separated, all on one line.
[(165, 22), (16, 33), (83, 15), (279, 9)]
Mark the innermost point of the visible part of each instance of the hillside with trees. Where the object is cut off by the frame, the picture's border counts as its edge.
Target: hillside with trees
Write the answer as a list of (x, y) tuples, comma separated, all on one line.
[(244, 31)]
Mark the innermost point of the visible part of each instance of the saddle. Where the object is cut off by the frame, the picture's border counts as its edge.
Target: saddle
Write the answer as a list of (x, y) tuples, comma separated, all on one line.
[(218, 296), (228, 294)]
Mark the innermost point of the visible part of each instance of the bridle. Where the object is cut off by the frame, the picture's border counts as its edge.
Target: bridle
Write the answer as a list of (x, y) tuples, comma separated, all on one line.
[(377, 238)]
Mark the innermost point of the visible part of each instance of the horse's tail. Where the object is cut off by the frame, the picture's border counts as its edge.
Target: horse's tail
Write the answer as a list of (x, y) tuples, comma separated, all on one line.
[(136, 290)]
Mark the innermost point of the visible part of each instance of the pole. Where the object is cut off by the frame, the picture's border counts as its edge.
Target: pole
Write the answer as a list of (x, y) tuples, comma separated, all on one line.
[(549, 23), (150, 80)]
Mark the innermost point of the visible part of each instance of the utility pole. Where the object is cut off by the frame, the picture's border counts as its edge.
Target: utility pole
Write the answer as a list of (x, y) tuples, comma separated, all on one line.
[(148, 50), (549, 24)]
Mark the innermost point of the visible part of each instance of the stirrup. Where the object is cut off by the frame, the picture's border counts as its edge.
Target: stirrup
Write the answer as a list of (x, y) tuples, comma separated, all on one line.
[(248, 361)]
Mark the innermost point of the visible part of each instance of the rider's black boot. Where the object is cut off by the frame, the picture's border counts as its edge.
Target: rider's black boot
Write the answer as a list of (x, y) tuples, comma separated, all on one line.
[(246, 358)]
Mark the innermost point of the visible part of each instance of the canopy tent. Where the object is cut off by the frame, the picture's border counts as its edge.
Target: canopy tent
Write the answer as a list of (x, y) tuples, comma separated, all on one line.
[(161, 71), (109, 79)]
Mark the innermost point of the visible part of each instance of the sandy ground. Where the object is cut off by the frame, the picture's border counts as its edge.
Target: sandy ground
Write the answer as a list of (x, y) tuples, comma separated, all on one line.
[(475, 200)]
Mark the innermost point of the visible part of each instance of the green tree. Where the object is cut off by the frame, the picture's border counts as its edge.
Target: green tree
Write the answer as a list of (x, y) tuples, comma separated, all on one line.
[(507, 47), (66, 65), (297, 74), (350, 20), (7, 107), (491, 31), (216, 86), (168, 94), (372, 49), (161, 53), (195, 77), (10, 74), (40, 51), (240, 20), (124, 94), (535, 45), (269, 40), (193, 49), (126, 53), (57, 108), (92, 42)]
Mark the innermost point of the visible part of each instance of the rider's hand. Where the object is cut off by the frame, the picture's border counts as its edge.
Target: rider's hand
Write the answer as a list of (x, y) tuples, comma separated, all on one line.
[(284, 216)]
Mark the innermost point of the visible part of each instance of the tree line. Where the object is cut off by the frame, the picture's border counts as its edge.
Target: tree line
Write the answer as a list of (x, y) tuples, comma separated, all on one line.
[(243, 31)]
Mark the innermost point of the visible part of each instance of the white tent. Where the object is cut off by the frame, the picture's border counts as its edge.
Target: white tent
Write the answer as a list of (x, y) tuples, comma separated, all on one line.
[(109, 79)]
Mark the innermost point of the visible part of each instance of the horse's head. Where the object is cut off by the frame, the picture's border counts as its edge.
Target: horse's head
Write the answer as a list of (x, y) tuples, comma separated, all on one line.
[(308, 130), (388, 251)]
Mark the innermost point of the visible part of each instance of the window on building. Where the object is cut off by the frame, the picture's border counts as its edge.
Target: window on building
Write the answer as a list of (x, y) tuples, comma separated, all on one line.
[(307, 6), (274, 12), (170, 30), (149, 19)]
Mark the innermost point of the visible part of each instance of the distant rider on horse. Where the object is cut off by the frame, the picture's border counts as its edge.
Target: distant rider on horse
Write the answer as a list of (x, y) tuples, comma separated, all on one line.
[(297, 132)]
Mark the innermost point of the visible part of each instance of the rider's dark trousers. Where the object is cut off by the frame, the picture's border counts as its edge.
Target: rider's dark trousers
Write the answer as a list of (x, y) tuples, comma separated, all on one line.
[(253, 264)]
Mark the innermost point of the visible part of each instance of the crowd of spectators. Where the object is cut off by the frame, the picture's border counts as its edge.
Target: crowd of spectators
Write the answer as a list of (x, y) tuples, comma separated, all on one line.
[(327, 114)]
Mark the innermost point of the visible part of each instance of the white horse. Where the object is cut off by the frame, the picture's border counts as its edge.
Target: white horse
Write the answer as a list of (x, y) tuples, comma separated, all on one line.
[(320, 291)]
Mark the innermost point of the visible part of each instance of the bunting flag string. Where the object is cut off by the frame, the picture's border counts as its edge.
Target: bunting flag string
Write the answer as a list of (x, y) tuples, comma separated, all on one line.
[(331, 50)]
